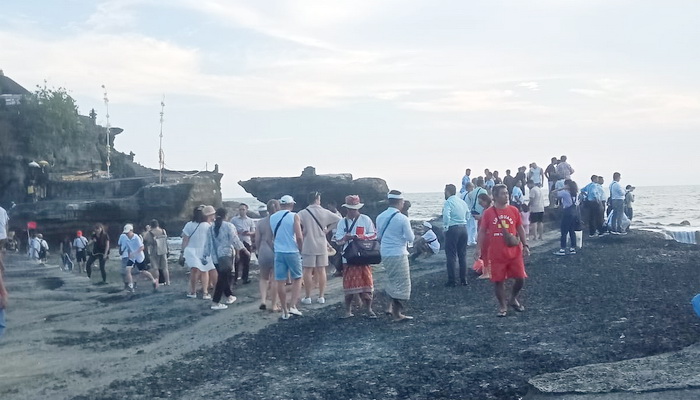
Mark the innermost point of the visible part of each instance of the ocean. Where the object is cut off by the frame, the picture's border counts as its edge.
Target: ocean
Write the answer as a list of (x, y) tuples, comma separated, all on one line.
[(656, 208)]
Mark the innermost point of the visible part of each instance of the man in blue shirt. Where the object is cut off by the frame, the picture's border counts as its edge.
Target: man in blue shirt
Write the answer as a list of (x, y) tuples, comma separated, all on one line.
[(454, 220), (466, 179), (617, 195), (592, 205)]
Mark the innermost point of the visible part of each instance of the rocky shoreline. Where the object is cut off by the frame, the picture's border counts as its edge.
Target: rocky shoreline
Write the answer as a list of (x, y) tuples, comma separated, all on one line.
[(620, 298)]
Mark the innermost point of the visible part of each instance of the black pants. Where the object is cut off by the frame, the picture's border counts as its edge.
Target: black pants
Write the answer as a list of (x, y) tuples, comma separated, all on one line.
[(91, 260), (243, 264), (595, 217), (223, 283), (456, 248)]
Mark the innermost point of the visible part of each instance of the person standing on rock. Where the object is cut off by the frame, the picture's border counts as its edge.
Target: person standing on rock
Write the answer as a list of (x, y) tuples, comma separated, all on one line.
[(395, 233), (264, 246), (222, 239), (286, 230), (471, 221), (465, 180), (357, 279), (156, 242), (194, 237), (131, 250), (454, 222), (551, 174), (316, 221), (80, 245), (500, 227), (245, 227), (536, 174), (536, 210), (100, 251), (564, 169), (617, 195)]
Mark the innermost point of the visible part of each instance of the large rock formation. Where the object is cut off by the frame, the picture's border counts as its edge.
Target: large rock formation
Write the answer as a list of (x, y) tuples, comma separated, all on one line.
[(372, 191)]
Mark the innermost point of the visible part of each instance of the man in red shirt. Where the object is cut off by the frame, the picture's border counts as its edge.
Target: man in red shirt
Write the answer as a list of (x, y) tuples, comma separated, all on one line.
[(500, 225)]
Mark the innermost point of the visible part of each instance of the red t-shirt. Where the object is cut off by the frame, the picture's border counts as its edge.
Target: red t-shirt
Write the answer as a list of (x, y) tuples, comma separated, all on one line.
[(494, 220)]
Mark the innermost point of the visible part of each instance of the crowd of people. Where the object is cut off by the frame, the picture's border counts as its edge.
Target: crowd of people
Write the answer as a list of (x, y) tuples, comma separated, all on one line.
[(499, 216)]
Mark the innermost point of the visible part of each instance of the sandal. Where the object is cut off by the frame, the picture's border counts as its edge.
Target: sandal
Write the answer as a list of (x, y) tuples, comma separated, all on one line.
[(517, 307), (346, 316), (502, 314), (372, 315)]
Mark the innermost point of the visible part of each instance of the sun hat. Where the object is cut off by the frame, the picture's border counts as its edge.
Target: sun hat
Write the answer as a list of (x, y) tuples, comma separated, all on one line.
[(128, 228), (287, 199), (353, 202), (208, 210)]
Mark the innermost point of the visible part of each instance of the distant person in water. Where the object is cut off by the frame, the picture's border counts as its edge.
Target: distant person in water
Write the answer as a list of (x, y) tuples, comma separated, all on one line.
[(501, 221)]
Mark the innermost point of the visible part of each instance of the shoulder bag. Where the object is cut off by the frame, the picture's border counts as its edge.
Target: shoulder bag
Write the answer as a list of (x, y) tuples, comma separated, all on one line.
[(365, 251), (331, 251)]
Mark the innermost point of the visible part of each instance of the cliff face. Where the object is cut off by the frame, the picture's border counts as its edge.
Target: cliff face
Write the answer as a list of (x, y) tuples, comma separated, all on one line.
[(46, 147)]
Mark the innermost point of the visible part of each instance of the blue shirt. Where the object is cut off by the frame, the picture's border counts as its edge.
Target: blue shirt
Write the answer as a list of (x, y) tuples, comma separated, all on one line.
[(594, 192), (465, 181), (285, 239), (616, 191), (396, 235), (517, 196), (454, 212)]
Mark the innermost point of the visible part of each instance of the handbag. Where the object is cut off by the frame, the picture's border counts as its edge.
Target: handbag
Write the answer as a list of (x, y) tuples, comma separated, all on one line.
[(510, 239), (365, 251)]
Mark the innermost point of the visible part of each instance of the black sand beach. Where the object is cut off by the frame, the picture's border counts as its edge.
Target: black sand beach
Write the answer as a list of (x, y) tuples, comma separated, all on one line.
[(619, 298)]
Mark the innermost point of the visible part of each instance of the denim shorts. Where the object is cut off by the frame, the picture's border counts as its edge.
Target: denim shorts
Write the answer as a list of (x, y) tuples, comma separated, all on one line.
[(2, 321), (287, 263)]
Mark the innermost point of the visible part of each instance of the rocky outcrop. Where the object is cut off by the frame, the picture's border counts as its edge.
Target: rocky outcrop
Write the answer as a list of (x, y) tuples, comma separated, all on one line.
[(372, 191)]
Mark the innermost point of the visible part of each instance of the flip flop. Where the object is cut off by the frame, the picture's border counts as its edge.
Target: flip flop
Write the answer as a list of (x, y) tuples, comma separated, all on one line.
[(347, 316), (372, 316), (502, 314), (518, 307)]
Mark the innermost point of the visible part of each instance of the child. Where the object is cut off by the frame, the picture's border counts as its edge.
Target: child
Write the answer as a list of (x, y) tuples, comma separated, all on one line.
[(525, 217)]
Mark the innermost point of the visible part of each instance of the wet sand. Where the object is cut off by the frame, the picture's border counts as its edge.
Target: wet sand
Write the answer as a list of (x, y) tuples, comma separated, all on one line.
[(619, 298)]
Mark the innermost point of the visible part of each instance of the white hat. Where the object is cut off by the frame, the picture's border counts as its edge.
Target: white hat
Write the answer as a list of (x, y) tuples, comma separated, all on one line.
[(398, 195), (287, 199), (128, 228), (427, 224)]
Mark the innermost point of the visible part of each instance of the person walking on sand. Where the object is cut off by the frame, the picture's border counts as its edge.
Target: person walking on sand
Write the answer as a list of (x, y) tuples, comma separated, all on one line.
[(568, 197), (357, 279), (245, 226), (395, 233), (286, 231), (100, 251), (264, 245), (131, 250), (80, 245), (454, 222), (617, 195), (156, 242), (316, 221), (194, 237), (43, 249), (222, 239), (502, 233), (536, 210), (66, 250)]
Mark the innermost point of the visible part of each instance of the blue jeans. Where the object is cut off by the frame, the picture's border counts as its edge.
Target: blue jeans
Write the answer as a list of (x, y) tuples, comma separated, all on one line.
[(568, 223), (2, 321)]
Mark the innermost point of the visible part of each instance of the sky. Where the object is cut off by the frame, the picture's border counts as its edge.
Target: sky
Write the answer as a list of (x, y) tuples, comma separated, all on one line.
[(410, 91)]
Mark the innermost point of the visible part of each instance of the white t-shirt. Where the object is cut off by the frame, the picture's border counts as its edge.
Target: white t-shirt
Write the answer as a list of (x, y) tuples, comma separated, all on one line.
[(4, 219), (244, 225), (431, 239), (536, 200), (127, 246)]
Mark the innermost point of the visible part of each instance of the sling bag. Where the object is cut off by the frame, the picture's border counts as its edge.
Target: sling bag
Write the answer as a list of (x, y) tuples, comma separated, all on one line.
[(329, 249), (365, 251)]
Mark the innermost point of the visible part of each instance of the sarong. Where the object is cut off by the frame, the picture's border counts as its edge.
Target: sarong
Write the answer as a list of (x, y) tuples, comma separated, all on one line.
[(398, 277), (357, 279)]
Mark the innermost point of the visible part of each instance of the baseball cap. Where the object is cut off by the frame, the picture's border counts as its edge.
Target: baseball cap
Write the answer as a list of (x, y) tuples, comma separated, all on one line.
[(287, 199), (128, 228)]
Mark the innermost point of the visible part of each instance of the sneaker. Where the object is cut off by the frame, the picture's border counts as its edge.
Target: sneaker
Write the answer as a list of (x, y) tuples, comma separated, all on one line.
[(219, 306), (130, 289), (306, 300), (285, 316), (615, 232), (321, 300), (561, 252), (206, 297), (572, 250), (592, 236), (294, 311), (231, 299), (192, 296)]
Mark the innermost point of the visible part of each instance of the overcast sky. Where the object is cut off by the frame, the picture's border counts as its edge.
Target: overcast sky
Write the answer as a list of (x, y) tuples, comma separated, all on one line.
[(410, 91)]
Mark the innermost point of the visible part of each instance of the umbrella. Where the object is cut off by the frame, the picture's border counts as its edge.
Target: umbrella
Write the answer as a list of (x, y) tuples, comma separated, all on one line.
[(34, 164)]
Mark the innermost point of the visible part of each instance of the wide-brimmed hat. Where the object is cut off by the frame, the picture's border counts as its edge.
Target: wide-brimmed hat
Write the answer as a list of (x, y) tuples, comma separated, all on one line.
[(287, 199), (128, 228), (353, 202), (208, 210)]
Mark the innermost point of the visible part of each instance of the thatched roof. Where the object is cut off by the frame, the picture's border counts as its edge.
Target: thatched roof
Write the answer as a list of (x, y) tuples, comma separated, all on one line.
[(8, 86)]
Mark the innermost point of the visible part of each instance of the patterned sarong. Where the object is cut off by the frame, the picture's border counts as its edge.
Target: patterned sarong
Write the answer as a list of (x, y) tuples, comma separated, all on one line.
[(357, 279), (398, 277)]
